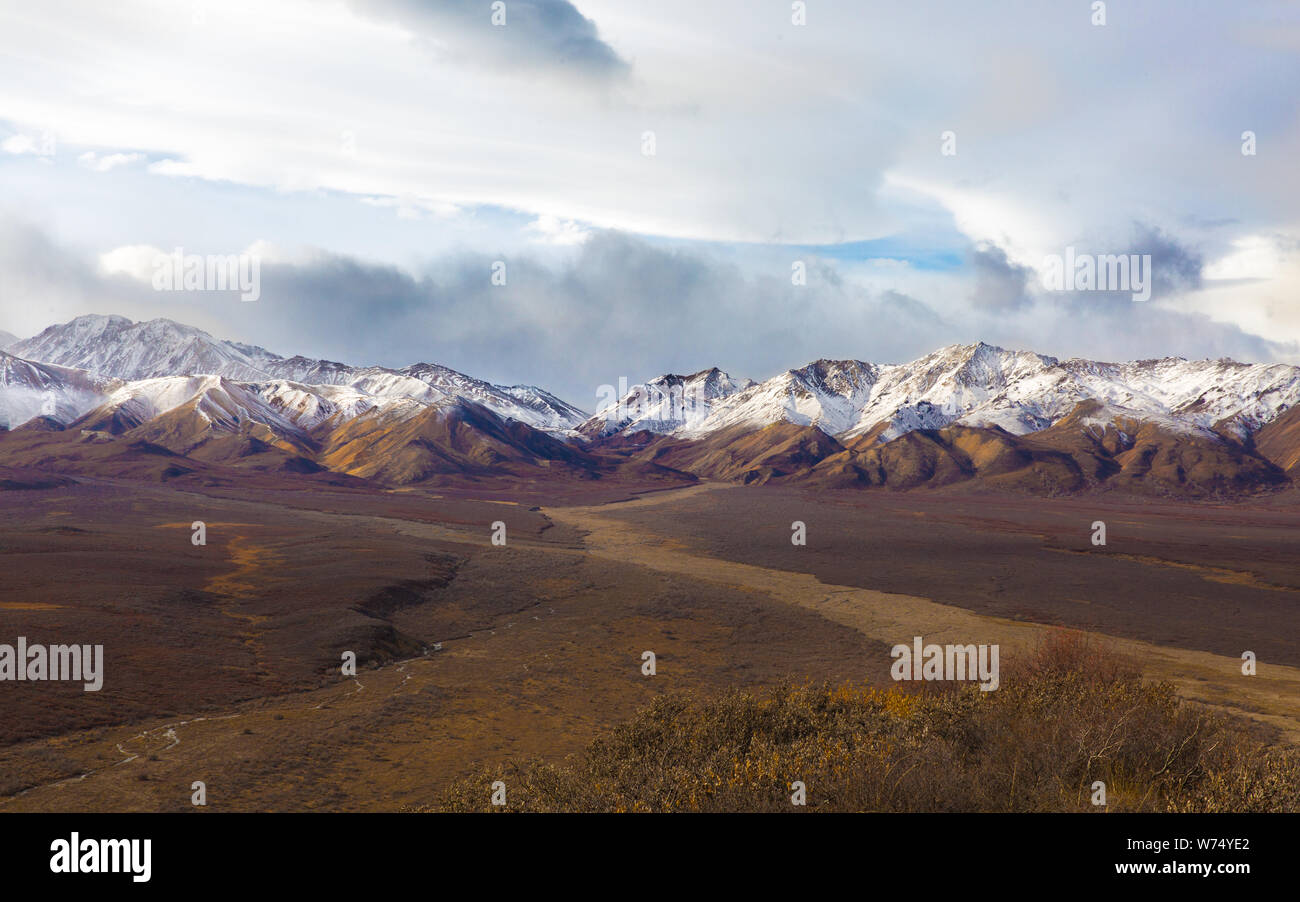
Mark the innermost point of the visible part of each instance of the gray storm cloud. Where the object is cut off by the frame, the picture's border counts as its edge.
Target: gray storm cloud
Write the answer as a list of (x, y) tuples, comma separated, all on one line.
[(999, 283), (526, 34)]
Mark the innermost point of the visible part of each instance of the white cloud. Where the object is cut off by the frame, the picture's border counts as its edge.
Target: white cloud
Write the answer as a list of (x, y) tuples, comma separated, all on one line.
[(258, 96), (1250, 257), (42, 146), (271, 252), (763, 131), (18, 144), (141, 261), (550, 230), (413, 207), (175, 168), (91, 160), (135, 260)]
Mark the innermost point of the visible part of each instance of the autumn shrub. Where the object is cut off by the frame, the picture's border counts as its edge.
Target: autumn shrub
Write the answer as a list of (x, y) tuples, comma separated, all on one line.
[(1067, 716)]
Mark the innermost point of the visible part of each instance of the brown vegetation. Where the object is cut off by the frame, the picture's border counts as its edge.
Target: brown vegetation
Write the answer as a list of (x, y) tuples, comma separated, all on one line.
[(1068, 715)]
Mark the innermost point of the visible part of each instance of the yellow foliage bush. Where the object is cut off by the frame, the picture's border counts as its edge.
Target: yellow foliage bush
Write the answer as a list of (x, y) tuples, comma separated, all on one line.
[(1064, 717)]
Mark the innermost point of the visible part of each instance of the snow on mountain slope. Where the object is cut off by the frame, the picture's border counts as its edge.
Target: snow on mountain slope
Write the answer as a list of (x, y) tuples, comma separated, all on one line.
[(1201, 392), (524, 403), (116, 347), (289, 409), (306, 370), (161, 366), (982, 385), (220, 402), (975, 385), (970, 385), (311, 406), (553, 414), (7, 339), (827, 394), (29, 390), (430, 383), (668, 404)]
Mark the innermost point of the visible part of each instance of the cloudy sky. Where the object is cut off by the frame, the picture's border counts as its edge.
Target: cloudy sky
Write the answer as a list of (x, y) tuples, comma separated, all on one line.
[(652, 174)]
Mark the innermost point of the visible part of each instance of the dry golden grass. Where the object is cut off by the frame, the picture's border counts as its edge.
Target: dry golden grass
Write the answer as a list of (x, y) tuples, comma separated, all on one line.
[(1067, 715)]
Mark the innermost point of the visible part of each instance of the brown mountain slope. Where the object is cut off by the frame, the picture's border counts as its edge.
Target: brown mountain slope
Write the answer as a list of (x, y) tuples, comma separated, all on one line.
[(1279, 442), (1076, 454), (921, 457), (940, 457), (458, 439), (1147, 458), (1196, 465), (187, 431), (775, 452), (76, 452), (464, 441), (461, 440)]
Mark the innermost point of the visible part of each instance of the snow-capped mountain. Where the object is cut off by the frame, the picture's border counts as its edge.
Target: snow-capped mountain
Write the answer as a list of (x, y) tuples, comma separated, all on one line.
[(827, 394), (115, 347), (140, 371), (668, 404), (982, 385), (30, 390), (214, 400), (1236, 397), (7, 339), (545, 405), (526, 403), (1207, 428)]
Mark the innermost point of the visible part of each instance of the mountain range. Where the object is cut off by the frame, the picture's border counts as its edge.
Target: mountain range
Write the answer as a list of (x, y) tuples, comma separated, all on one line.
[(162, 399)]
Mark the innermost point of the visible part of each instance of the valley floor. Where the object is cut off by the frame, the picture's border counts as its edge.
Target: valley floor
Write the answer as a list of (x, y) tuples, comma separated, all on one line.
[(222, 660)]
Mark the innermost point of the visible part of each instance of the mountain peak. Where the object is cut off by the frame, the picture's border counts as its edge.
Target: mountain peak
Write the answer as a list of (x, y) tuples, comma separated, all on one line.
[(117, 347), (114, 346), (977, 384)]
